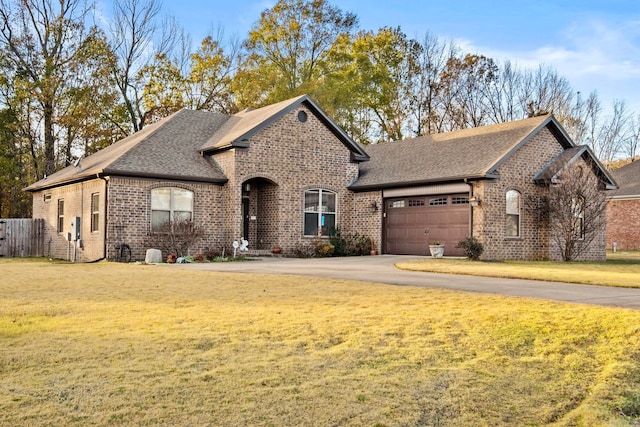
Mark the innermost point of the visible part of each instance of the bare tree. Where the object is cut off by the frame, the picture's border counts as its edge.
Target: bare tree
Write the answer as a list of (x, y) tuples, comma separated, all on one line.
[(632, 142), (576, 209), (138, 34), (612, 133), (429, 61)]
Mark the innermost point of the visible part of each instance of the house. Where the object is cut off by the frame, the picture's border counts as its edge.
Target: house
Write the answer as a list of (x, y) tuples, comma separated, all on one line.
[(287, 174), (623, 209)]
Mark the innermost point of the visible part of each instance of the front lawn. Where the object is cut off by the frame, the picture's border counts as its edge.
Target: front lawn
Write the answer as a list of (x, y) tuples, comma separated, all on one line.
[(621, 269), (116, 344)]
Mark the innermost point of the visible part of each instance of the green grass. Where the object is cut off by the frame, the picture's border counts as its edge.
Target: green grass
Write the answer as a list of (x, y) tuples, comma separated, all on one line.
[(114, 344), (621, 269)]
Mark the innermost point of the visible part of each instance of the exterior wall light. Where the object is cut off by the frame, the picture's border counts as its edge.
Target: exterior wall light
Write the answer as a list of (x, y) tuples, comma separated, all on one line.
[(474, 201), (374, 206)]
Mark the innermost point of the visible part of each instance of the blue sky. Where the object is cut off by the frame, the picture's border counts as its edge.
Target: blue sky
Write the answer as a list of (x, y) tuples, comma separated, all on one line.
[(594, 44)]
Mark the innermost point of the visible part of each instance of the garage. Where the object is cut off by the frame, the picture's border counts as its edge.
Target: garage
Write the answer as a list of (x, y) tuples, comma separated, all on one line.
[(412, 222)]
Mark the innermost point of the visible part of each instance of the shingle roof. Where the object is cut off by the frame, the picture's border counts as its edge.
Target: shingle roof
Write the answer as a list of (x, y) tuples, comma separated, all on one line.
[(242, 123), (237, 131), (172, 148), (553, 170), (451, 156), (167, 149), (628, 179)]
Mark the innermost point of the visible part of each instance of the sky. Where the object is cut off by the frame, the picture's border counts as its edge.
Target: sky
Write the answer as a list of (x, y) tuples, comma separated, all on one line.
[(594, 44)]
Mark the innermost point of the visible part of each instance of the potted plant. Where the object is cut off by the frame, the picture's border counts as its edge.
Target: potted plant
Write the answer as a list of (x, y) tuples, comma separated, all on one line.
[(437, 249), (276, 250)]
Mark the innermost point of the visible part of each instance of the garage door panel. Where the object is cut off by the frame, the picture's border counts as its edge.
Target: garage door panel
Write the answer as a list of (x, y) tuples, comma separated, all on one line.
[(408, 218)]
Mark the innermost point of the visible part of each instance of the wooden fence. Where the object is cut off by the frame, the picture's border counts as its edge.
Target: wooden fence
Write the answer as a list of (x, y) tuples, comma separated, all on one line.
[(23, 237)]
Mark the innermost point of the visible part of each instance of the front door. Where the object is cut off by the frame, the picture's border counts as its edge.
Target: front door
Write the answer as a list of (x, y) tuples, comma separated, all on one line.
[(245, 217)]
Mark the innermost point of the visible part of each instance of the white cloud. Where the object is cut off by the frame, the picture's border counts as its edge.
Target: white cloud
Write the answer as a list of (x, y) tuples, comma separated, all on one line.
[(592, 54)]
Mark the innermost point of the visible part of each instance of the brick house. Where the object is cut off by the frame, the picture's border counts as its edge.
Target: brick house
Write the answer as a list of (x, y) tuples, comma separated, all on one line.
[(623, 209), (286, 174)]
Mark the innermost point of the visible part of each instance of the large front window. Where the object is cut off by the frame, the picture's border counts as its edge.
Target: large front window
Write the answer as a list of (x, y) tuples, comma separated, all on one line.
[(319, 212), (170, 205), (512, 224)]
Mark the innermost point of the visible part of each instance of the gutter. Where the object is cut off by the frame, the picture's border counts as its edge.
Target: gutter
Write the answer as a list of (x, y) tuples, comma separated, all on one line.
[(372, 187), (106, 211)]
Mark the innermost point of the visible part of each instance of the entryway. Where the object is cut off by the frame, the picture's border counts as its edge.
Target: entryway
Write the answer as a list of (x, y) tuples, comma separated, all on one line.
[(260, 213)]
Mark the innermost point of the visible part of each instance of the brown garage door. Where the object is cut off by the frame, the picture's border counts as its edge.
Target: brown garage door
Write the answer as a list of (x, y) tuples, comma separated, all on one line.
[(411, 223)]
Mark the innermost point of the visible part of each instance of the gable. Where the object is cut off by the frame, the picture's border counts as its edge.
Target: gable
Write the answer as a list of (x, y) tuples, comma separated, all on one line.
[(241, 127)]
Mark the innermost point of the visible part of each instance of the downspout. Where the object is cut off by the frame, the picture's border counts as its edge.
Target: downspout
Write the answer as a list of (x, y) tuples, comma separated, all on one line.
[(470, 208)]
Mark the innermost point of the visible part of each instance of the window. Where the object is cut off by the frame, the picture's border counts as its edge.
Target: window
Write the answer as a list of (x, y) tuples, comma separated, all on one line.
[(577, 209), (459, 200), (47, 197), (60, 215), (95, 211), (414, 203), (319, 212), (169, 205), (397, 204), (440, 201), (512, 225)]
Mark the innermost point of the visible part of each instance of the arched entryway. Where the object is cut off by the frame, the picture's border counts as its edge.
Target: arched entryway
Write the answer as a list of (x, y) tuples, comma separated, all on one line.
[(260, 213)]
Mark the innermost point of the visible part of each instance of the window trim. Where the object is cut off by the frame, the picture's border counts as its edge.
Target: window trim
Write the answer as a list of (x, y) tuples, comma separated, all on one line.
[(171, 205), (319, 212), (517, 216), (60, 226), (95, 212)]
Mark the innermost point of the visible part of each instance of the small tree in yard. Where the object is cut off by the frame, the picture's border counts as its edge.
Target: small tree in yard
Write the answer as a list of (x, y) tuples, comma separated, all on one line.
[(576, 208), (175, 237)]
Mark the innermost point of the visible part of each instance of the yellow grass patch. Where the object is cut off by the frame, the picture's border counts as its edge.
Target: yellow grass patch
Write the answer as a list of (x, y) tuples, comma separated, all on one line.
[(622, 270), (154, 345)]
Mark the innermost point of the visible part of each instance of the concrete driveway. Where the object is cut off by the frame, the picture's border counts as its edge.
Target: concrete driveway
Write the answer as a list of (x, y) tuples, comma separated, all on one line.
[(381, 269)]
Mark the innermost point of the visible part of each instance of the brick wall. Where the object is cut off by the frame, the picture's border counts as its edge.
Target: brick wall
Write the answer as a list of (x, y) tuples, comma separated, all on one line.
[(292, 156), (623, 223), (129, 214), (516, 173), (534, 242), (77, 203)]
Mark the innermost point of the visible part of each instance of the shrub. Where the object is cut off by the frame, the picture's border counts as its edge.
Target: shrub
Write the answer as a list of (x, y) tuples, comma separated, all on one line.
[(303, 250), (324, 249), (471, 247), (349, 244), (212, 254), (198, 257)]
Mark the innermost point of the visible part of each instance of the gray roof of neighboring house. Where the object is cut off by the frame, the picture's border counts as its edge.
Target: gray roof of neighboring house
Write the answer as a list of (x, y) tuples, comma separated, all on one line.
[(473, 153), (173, 147), (167, 149), (628, 179)]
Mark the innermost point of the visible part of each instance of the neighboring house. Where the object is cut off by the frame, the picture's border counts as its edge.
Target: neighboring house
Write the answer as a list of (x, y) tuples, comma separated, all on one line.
[(623, 209), (287, 174)]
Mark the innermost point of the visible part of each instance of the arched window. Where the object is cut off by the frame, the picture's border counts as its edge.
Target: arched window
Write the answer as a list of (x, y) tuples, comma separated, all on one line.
[(512, 224), (319, 212), (169, 205)]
